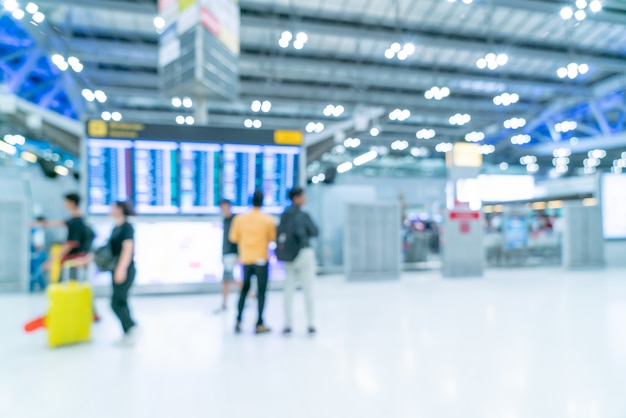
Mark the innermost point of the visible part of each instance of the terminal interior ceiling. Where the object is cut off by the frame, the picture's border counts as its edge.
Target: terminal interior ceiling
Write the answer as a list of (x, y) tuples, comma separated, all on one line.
[(522, 77)]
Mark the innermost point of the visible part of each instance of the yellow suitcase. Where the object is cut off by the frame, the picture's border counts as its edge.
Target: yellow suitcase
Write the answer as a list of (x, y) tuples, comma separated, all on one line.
[(70, 313)]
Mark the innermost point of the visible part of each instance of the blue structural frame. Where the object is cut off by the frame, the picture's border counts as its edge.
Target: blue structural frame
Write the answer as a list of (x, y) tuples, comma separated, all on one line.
[(27, 70)]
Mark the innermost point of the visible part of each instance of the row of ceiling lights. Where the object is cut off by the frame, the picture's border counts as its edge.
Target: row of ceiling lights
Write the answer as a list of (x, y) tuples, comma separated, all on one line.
[(437, 93), (334, 110), (185, 102), (287, 37), (492, 61), (256, 123), (402, 52), (13, 7), (261, 106), (314, 127), (114, 116), (581, 13), (185, 120), (95, 95), (572, 71), (63, 64)]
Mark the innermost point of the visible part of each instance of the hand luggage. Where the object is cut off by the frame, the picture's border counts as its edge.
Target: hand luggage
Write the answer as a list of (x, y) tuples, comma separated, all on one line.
[(69, 316)]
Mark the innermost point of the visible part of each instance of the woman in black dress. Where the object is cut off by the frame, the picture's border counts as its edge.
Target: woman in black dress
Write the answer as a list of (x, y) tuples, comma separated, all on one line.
[(122, 244)]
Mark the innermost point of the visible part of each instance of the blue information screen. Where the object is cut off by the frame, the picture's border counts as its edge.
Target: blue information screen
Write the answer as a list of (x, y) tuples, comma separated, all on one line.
[(241, 173), (156, 182), (200, 190), (280, 171), (109, 173)]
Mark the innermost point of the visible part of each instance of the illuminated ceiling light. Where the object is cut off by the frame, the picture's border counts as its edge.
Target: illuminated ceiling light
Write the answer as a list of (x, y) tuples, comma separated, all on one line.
[(597, 154), (190, 120), (389, 54), (583, 69), (73, 61), (287, 36), (374, 132), (187, 102), (581, 4), (409, 48), (257, 124), (504, 166), (460, 119), (159, 22), (528, 159), (298, 45), (521, 139), (506, 99), (283, 43), (256, 106), (566, 126), (580, 15), (177, 102), (492, 61), (32, 8), (514, 123), (344, 167), (475, 137), (180, 119), (487, 149), (399, 145), (400, 115), (437, 93), (395, 47), (319, 127), (59, 61), (266, 106), (88, 95), (352, 143), (402, 55), (18, 14), (248, 123), (116, 116), (595, 6), (365, 158), (425, 134), (532, 168), (302, 37), (567, 13), (61, 170), (310, 127), (402, 52), (7, 148), (11, 5), (100, 96), (444, 147), (28, 156), (106, 115), (39, 17)]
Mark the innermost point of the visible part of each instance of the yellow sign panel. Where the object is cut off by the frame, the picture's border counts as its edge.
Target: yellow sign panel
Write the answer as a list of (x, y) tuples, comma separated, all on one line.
[(97, 129), (465, 155), (288, 137), (185, 4)]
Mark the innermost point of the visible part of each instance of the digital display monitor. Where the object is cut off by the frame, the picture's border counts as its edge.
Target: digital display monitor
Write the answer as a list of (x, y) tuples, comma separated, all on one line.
[(280, 171), (241, 173), (614, 205), (109, 173), (156, 172), (200, 190), (172, 253)]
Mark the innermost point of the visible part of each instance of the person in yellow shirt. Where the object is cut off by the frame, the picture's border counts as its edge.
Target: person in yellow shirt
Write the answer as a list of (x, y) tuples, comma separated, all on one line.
[(253, 233)]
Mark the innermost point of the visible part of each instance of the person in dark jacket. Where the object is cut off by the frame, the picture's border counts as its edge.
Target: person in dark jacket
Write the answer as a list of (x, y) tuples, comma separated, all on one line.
[(229, 254), (303, 268)]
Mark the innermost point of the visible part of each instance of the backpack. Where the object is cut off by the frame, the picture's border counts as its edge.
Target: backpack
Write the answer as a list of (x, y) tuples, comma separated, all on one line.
[(104, 258), (88, 237), (287, 241)]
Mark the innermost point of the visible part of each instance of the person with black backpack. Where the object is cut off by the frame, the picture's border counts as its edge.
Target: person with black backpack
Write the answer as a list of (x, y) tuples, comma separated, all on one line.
[(294, 248)]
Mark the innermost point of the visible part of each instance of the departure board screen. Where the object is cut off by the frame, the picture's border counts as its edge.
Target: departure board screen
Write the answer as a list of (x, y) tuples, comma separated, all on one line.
[(200, 190), (242, 167), (280, 171), (109, 173), (156, 177)]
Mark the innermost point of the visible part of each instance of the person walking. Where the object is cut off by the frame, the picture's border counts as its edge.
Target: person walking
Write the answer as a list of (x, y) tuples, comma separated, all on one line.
[(229, 254), (295, 232), (253, 233), (122, 245)]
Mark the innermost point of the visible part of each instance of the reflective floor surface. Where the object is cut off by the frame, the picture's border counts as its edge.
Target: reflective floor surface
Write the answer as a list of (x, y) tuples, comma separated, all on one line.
[(540, 343)]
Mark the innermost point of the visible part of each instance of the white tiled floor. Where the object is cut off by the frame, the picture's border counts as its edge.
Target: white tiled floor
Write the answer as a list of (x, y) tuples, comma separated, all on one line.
[(517, 344)]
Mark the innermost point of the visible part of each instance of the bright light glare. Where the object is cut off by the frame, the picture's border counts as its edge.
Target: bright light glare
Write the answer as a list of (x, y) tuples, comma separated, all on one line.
[(10, 5), (106, 116), (39, 17), (567, 13), (595, 6), (116, 116), (88, 95), (365, 158), (344, 168), (177, 102), (374, 132), (32, 8), (159, 22), (266, 106), (187, 102), (189, 120), (180, 119)]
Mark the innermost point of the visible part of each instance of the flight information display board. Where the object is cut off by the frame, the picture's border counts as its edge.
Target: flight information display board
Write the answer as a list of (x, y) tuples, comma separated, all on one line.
[(280, 170), (166, 177), (200, 190), (109, 171), (156, 172), (241, 171)]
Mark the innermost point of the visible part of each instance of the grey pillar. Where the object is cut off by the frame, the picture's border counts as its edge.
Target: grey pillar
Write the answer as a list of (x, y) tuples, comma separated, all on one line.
[(201, 110)]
